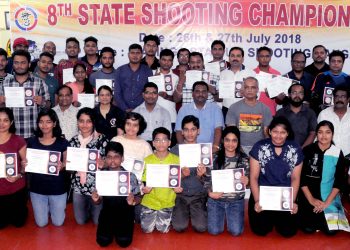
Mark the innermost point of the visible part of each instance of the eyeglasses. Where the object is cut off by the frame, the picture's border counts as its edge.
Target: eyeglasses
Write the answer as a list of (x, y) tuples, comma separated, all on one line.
[(160, 140)]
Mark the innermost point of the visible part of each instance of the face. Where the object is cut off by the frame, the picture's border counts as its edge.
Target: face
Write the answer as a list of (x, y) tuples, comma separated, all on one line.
[(341, 99), (196, 63), (135, 56), (319, 55), (297, 94), (85, 124), (161, 143), (113, 159), (278, 135), (200, 94), (5, 122), (3, 63), (324, 135), (190, 132), (65, 98), (107, 60), (183, 57), (90, 48), (105, 97), (150, 95), (298, 63), (250, 89), (218, 52), (72, 49), (336, 64), (45, 64), (264, 58), (236, 58), (230, 143), (21, 47), (166, 62), (151, 48), (20, 65), (80, 74), (131, 128), (46, 125), (50, 47)]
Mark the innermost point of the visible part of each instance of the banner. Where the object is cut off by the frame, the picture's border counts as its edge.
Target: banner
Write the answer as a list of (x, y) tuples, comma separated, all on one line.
[(284, 26)]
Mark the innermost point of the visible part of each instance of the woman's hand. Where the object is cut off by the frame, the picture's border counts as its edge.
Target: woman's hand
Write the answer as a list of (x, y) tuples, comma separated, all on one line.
[(257, 207), (146, 190), (178, 190), (201, 170), (130, 199), (245, 180), (317, 204), (13, 179), (95, 197), (294, 209), (215, 195)]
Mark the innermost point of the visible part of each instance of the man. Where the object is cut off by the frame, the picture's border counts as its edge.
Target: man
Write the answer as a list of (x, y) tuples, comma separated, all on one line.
[(236, 73), (339, 115), (37, 93), (49, 47), (325, 82), (66, 112), (319, 55), (155, 115), (130, 80), (91, 56), (45, 65), (72, 51), (183, 56), (3, 63), (263, 57), (19, 43), (218, 51), (209, 114), (251, 116), (302, 119), (151, 43), (299, 74)]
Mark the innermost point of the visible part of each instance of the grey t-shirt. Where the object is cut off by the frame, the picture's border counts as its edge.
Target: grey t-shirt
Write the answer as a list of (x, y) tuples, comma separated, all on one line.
[(102, 75)]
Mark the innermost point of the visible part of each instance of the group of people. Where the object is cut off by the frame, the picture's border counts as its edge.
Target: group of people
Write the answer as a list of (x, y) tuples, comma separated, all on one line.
[(298, 140)]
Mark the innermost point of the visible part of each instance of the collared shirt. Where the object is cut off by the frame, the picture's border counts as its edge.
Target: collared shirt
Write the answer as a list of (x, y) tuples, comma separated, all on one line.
[(341, 135), (52, 85), (103, 75), (66, 64), (158, 117), (97, 66), (2, 78), (129, 86), (210, 117), (306, 80), (154, 65), (68, 121), (315, 71), (25, 118)]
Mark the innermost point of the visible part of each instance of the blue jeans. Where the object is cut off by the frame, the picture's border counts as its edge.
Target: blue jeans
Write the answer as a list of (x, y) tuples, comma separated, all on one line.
[(84, 209), (43, 205), (232, 210)]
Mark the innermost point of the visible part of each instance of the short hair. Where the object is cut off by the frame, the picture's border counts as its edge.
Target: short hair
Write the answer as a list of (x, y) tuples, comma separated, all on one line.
[(107, 49), (251, 78), (299, 52), (160, 130), (89, 112), (295, 84), (72, 39), (336, 53), (56, 131), (136, 117), (282, 121), (21, 53), (149, 85), (3, 53), (115, 147), (181, 50), (215, 42), (341, 87), (188, 119), (135, 46), (105, 87), (11, 117), (79, 65), (195, 53), (319, 46), (90, 39), (237, 48), (62, 87), (264, 48), (200, 83), (47, 54), (166, 52), (151, 37)]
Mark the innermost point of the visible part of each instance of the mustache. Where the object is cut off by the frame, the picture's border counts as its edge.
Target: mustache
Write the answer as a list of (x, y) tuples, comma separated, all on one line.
[(339, 102)]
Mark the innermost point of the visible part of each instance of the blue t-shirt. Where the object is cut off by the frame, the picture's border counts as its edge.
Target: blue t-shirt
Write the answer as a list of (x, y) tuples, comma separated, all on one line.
[(276, 170)]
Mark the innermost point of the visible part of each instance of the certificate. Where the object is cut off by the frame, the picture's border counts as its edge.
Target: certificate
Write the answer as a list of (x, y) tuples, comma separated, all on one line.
[(163, 82), (8, 165), (226, 89), (193, 154), (29, 96), (276, 198), (193, 76), (228, 180), (160, 175), (213, 68), (14, 97), (278, 85), (82, 159), (86, 100), (68, 76), (264, 80), (113, 183), (42, 161), (328, 96), (104, 82), (135, 166)]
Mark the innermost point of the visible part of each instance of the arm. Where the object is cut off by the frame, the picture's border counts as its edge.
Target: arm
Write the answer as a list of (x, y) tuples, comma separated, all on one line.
[(254, 185), (179, 137), (217, 139), (266, 132), (295, 183), (177, 96), (310, 139)]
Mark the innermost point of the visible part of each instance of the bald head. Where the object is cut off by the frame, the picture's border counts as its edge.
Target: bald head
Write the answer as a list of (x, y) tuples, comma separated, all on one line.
[(50, 47)]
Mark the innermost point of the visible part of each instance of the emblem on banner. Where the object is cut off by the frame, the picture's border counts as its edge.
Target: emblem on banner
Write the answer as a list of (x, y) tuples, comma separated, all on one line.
[(26, 18)]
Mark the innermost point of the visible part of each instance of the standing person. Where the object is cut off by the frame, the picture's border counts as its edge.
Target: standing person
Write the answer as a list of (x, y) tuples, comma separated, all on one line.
[(83, 183), (48, 193), (319, 65), (49, 47), (19, 43), (229, 206), (275, 161), (13, 192), (218, 51), (183, 58), (3, 63), (91, 56), (322, 179), (151, 43)]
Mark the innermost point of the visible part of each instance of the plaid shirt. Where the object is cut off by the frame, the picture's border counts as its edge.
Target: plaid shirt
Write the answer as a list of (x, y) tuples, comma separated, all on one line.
[(25, 118), (66, 64), (187, 96)]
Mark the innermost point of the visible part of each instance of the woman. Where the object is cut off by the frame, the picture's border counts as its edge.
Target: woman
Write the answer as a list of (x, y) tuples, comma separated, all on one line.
[(229, 205), (322, 178), (48, 193), (83, 183), (109, 118), (13, 193), (81, 85), (275, 161)]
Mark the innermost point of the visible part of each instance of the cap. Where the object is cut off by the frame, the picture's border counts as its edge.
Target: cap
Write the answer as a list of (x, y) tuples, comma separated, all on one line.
[(20, 40)]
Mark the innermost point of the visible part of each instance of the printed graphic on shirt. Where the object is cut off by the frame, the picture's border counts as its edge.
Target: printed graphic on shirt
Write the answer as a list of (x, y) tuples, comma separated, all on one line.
[(250, 122)]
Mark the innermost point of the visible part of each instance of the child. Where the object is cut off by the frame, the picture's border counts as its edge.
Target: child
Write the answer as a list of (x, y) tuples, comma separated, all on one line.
[(157, 203), (117, 215)]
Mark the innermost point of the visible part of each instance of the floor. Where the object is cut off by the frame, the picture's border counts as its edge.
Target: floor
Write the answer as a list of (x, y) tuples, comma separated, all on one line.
[(73, 236)]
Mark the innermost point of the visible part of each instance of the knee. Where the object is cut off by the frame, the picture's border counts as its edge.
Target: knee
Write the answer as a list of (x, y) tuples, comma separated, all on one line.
[(103, 241), (214, 231), (180, 227), (41, 223), (80, 221), (260, 232), (287, 233), (58, 223), (199, 228), (125, 242), (236, 232)]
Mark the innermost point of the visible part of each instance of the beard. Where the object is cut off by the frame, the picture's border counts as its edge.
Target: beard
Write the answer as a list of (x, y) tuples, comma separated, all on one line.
[(296, 103)]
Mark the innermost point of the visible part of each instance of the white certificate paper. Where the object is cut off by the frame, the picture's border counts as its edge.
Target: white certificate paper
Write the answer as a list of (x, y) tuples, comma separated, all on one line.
[(14, 97), (68, 76), (133, 165), (159, 81), (104, 82), (228, 180), (42, 161), (213, 68), (86, 100), (193, 154), (278, 85), (276, 198), (193, 76), (82, 159), (8, 165), (160, 175), (113, 183), (226, 89), (264, 80)]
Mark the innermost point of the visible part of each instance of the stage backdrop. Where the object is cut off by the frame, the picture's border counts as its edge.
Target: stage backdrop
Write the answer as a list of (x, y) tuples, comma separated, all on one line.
[(285, 26)]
